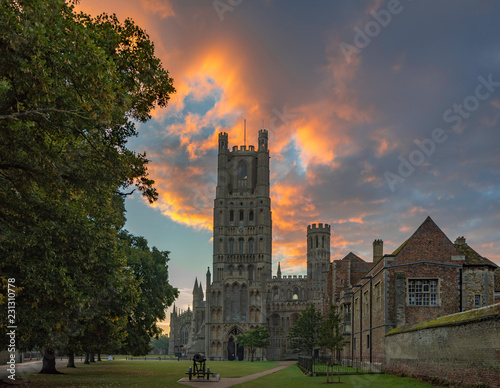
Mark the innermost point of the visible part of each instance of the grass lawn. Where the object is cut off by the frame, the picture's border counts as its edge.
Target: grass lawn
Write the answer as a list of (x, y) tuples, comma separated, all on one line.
[(121, 373), (166, 373), (292, 377)]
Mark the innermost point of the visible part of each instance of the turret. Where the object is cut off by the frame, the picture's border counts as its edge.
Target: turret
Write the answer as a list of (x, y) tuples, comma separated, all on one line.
[(222, 173), (223, 142), (197, 294), (278, 274), (209, 280), (263, 139), (262, 189), (318, 251)]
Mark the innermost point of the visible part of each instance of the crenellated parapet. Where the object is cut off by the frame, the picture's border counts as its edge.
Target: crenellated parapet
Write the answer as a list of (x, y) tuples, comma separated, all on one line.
[(318, 250)]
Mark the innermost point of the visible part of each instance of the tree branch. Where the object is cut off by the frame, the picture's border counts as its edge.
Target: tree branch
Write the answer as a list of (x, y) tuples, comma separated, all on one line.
[(41, 112)]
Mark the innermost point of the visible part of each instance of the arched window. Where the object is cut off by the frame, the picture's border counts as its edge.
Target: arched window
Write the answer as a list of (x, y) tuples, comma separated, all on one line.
[(231, 270), (242, 174), (236, 302), (317, 245), (244, 303), (250, 246), (227, 304), (275, 294), (240, 270), (242, 215), (250, 215), (185, 334), (322, 242), (261, 245), (250, 272), (231, 216), (276, 320), (295, 293), (240, 243), (231, 246), (242, 170)]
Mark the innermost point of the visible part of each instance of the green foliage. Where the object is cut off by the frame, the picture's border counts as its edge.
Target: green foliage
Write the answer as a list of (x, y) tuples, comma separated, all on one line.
[(330, 334), (304, 334), (161, 343), (254, 339), (70, 88), (150, 269)]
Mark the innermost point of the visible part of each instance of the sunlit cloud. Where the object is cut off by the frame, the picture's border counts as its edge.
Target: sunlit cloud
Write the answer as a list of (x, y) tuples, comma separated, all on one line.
[(334, 126)]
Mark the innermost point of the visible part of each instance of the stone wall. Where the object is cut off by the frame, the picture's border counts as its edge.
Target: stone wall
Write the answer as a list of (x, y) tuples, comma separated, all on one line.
[(462, 348)]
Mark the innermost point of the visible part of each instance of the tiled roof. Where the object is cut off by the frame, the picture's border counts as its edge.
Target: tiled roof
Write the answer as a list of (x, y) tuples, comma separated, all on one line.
[(472, 257), (353, 258)]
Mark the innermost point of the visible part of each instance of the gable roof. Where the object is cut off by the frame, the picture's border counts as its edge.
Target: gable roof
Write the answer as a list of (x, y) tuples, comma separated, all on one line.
[(472, 257), (353, 258), (427, 243)]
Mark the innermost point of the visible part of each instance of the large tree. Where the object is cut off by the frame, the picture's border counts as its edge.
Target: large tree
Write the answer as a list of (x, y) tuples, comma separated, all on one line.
[(253, 340), (150, 269), (72, 88), (303, 335)]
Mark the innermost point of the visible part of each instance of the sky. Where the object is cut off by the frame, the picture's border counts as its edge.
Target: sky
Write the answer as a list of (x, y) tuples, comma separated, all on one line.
[(380, 113)]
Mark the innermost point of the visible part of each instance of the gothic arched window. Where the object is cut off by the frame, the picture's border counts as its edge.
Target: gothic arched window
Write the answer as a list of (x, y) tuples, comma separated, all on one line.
[(235, 302), (250, 272), (231, 246), (240, 245), (242, 170), (242, 215), (231, 216), (242, 174), (250, 215), (250, 245), (244, 303)]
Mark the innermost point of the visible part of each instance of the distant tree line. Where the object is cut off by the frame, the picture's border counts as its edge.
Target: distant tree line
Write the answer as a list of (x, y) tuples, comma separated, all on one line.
[(72, 88)]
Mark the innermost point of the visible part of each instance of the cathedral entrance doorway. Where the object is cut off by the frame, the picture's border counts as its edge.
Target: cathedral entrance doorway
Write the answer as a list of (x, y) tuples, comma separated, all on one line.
[(234, 351)]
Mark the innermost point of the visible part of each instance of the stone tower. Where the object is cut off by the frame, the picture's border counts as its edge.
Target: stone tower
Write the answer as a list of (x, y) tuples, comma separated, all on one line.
[(318, 258), (241, 245)]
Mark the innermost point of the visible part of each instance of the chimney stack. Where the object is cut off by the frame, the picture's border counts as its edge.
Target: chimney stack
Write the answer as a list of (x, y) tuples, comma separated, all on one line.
[(378, 250)]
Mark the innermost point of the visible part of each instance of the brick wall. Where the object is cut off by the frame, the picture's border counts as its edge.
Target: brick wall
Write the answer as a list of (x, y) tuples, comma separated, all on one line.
[(461, 348)]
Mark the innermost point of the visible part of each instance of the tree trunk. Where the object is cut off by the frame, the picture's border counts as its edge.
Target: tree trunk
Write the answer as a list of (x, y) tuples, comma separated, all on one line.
[(99, 356), (71, 360), (49, 363), (87, 358), (92, 357)]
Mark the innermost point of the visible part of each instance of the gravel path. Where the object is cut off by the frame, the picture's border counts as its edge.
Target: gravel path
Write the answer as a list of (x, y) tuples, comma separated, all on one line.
[(229, 382)]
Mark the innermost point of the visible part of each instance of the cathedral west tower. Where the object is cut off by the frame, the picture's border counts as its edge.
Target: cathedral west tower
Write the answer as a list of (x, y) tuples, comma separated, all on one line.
[(242, 244)]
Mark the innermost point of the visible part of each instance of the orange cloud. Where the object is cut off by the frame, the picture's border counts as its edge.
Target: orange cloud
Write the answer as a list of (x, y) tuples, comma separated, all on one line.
[(160, 7)]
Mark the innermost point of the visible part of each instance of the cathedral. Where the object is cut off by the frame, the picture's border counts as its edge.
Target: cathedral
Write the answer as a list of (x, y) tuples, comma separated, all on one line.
[(243, 293), (428, 276)]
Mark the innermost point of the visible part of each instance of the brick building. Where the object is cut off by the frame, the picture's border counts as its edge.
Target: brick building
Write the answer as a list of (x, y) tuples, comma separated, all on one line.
[(426, 277)]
